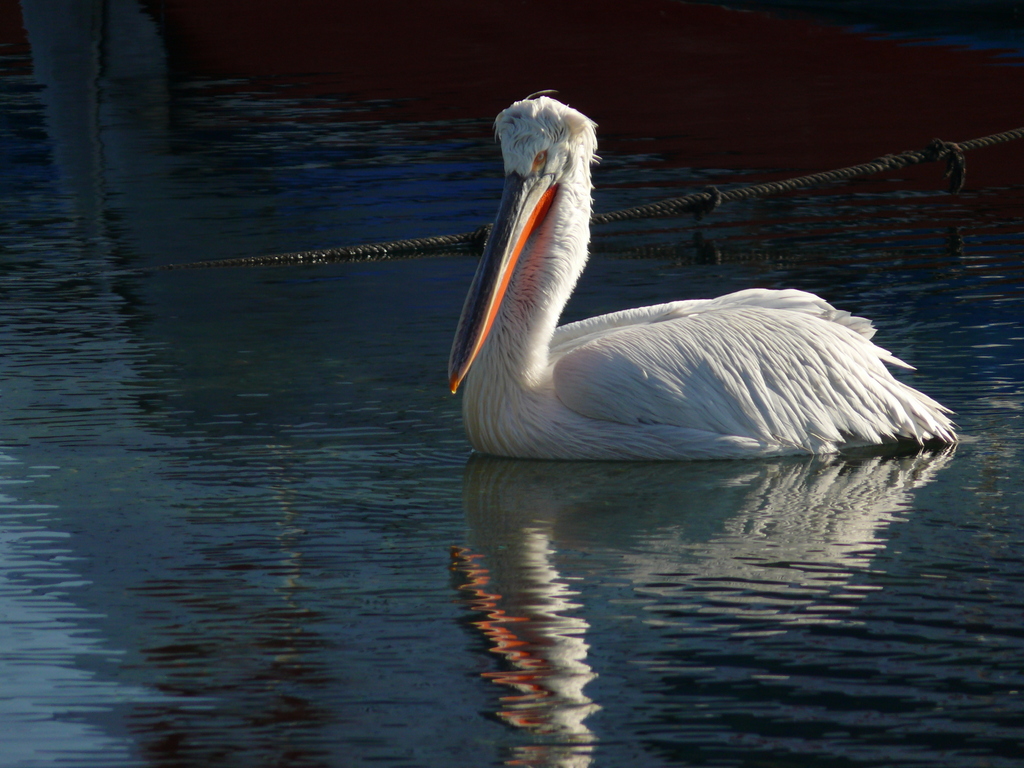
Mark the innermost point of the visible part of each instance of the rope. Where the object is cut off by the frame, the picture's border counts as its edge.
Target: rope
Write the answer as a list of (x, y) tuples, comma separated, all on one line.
[(700, 204), (369, 252), (703, 203)]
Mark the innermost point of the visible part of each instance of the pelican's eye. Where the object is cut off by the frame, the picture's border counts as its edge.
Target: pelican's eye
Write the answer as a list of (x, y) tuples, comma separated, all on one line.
[(540, 161)]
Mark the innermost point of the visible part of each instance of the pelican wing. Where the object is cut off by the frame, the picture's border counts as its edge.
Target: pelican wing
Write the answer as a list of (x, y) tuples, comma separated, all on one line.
[(572, 334), (781, 367)]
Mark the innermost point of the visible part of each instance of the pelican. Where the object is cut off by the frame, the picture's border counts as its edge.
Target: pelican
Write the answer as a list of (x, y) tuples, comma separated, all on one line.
[(750, 374)]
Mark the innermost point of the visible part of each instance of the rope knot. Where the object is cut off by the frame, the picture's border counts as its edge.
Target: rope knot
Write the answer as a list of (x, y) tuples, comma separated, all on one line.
[(712, 198), (956, 163)]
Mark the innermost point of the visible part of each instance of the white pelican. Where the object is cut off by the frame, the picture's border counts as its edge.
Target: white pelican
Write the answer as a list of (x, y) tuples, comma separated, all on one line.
[(753, 373)]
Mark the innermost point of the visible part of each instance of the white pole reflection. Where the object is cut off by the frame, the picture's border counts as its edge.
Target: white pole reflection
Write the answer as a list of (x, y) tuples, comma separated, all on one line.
[(753, 543)]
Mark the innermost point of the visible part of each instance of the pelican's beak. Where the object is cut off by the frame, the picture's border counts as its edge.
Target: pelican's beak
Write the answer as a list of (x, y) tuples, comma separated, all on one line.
[(524, 204)]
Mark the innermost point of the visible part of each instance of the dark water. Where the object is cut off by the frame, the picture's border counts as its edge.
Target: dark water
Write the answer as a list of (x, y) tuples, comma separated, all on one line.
[(240, 525)]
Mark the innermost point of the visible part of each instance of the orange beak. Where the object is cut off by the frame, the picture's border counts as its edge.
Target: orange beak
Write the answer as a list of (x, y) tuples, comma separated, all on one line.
[(524, 205)]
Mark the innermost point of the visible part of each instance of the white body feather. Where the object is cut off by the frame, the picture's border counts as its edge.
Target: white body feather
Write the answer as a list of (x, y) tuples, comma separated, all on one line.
[(753, 373)]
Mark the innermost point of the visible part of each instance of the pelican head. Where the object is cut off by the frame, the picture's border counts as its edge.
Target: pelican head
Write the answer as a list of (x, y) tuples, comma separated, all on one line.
[(543, 142)]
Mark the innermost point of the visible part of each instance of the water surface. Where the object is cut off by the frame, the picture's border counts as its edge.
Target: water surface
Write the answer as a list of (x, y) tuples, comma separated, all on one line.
[(240, 525)]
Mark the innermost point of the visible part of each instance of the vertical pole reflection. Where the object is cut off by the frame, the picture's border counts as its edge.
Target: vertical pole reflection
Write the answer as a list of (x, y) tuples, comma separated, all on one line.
[(522, 602)]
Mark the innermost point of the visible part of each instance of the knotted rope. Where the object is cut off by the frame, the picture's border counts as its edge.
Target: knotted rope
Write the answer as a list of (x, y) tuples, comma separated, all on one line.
[(699, 204)]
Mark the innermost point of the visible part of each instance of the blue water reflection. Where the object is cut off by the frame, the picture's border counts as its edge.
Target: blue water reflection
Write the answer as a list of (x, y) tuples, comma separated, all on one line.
[(55, 670), (240, 524)]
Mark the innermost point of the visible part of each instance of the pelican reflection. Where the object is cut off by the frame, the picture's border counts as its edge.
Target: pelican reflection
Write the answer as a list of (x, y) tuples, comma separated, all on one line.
[(755, 546)]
